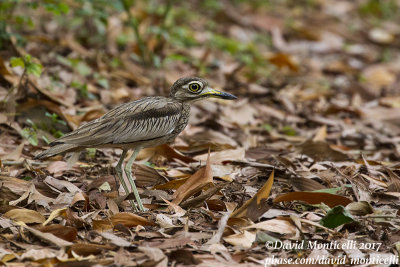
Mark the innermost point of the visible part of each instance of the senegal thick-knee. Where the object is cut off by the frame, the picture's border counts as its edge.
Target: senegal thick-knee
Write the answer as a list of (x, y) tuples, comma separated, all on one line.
[(147, 122)]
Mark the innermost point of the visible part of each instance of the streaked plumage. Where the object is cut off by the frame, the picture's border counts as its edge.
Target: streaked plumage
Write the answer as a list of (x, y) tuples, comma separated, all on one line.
[(147, 122)]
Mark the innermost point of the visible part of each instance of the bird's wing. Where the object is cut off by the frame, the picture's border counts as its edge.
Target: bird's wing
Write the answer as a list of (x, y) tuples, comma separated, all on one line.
[(141, 120)]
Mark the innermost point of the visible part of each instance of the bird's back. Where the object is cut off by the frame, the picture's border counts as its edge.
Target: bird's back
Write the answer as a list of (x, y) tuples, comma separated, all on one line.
[(138, 121), (146, 122)]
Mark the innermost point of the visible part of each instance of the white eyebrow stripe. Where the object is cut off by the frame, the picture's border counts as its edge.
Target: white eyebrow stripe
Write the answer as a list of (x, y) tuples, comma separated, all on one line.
[(198, 82)]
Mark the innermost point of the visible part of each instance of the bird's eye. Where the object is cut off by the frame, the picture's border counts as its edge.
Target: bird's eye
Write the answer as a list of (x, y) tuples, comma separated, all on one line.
[(194, 87)]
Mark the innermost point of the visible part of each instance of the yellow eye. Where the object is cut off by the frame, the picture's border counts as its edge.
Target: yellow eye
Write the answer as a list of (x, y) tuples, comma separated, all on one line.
[(194, 87)]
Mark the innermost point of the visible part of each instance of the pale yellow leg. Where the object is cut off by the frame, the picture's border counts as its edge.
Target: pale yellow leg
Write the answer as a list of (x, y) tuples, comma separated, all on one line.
[(118, 170), (128, 171)]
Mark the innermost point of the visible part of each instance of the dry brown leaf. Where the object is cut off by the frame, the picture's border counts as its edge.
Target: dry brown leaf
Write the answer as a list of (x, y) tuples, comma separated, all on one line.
[(194, 184), (173, 184), (12, 188), (67, 233), (224, 156), (47, 237), (146, 176), (116, 240), (74, 220), (378, 76), (321, 134), (102, 225), (25, 215), (3, 68), (130, 220), (244, 239), (314, 198), (305, 184), (394, 184), (33, 195), (275, 225), (282, 60), (16, 154), (176, 209), (86, 249), (54, 214), (360, 208), (165, 151), (198, 201), (319, 151), (61, 184), (240, 113), (80, 201), (256, 206)]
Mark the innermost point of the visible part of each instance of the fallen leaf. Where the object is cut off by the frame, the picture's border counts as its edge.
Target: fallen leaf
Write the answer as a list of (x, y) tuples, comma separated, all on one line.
[(67, 233), (130, 220), (275, 225), (183, 256), (116, 240), (80, 201), (319, 151), (25, 215), (244, 239), (86, 249), (39, 254), (223, 156), (314, 198), (256, 206), (16, 154), (305, 184), (360, 208), (165, 151), (47, 237), (194, 184), (54, 214), (282, 60), (102, 225), (146, 176), (336, 216), (173, 184)]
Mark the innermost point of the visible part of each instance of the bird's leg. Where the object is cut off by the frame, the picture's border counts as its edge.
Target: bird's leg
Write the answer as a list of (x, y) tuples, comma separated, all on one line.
[(128, 171), (118, 170)]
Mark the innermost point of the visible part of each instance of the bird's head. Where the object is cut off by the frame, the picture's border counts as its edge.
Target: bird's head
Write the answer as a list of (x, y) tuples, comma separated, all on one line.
[(193, 88)]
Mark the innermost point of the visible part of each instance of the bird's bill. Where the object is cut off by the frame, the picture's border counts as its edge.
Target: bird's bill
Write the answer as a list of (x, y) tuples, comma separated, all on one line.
[(217, 94)]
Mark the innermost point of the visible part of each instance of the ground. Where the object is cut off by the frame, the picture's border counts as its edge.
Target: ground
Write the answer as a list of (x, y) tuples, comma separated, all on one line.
[(302, 168)]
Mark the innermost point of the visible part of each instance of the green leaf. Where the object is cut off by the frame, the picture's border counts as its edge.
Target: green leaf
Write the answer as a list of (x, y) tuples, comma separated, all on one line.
[(27, 58), (333, 190), (30, 135), (267, 127), (91, 152), (83, 69), (64, 8), (35, 69), (336, 217), (17, 62), (288, 130), (263, 237)]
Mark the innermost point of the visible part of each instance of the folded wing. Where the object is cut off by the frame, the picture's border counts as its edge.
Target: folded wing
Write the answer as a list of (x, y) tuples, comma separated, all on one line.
[(141, 120)]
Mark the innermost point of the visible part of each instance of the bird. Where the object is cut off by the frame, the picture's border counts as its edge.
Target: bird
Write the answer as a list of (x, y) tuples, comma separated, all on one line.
[(147, 122)]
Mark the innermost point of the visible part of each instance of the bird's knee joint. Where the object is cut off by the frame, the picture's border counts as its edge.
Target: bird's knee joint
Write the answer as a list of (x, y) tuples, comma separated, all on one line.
[(128, 170)]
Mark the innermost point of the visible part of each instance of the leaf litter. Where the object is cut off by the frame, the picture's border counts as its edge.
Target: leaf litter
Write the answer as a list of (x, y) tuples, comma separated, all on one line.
[(309, 151)]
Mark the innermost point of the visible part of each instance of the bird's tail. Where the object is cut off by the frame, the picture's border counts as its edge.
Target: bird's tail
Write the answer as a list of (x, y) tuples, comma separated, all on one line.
[(57, 149)]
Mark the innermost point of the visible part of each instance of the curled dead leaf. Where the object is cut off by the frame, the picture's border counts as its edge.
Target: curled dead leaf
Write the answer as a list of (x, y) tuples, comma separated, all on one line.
[(195, 183), (256, 206)]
